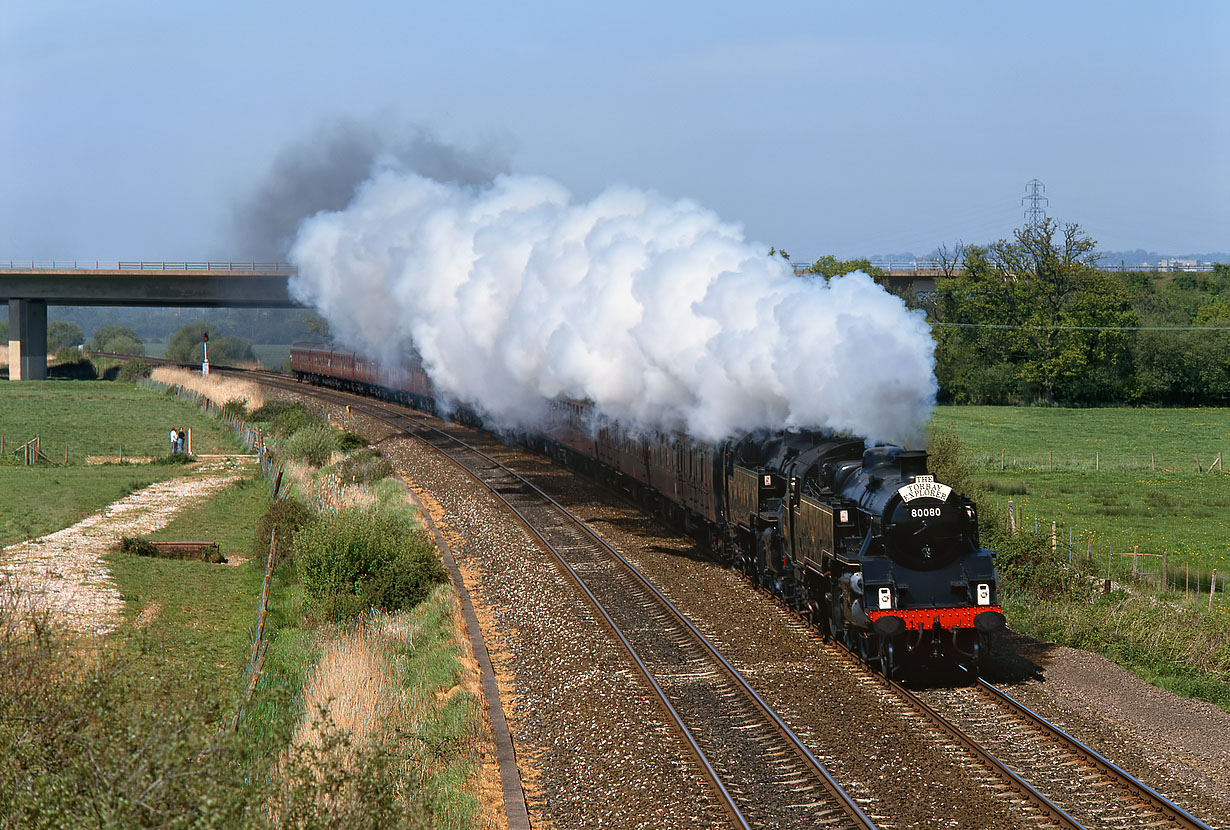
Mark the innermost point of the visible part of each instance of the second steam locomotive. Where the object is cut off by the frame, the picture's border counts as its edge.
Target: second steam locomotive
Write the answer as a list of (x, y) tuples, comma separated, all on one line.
[(862, 541)]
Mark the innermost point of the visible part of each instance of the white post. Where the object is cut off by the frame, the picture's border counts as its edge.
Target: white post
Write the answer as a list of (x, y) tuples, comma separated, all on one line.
[(205, 362), (188, 446)]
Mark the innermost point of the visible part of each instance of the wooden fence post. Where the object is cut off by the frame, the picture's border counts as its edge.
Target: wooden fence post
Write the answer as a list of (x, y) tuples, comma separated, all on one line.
[(1198, 463), (1002, 453), (1054, 539), (1165, 583), (1097, 461), (1135, 560), (1011, 518), (1212, 588)]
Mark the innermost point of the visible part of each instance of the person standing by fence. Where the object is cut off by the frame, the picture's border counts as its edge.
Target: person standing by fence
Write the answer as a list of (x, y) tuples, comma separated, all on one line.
[(174, 441), (180, 439)]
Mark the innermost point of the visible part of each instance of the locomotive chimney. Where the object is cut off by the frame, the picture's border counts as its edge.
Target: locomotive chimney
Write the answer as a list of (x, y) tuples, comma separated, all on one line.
[(913, 462)]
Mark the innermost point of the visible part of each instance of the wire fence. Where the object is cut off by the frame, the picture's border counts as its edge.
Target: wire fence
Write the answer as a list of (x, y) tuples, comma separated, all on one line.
[(1208, 461), (1121, 568), (273, 469)]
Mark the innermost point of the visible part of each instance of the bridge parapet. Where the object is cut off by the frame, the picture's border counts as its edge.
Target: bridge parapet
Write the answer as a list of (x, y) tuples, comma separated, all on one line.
[(25, 265)]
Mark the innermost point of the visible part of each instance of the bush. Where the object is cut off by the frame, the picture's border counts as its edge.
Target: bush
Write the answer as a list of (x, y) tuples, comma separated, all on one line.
[(137, 545), (314, 443), (288, 516), (355, 561), (348, 441), (362, 467), (133, 369), (283, 417), (237, 407)]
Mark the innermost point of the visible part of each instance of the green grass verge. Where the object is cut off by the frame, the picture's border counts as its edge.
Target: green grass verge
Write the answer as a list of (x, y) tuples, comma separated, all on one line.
[(440, 733), (203, 614)]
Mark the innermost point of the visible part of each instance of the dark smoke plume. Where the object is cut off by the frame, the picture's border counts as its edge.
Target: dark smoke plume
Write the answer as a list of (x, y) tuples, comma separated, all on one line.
[(321, 173)]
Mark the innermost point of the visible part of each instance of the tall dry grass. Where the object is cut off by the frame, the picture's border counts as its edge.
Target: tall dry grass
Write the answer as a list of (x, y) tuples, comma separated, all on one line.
[(354, 681), (218, 388), (326, 491)]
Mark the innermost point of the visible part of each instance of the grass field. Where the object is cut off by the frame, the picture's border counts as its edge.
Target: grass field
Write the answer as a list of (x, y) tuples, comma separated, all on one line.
[(99, 418), (1033, 438), (1124, 503)]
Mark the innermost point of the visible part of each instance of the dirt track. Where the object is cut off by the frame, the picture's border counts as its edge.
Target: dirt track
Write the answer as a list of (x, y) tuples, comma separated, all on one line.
[(63, 573)]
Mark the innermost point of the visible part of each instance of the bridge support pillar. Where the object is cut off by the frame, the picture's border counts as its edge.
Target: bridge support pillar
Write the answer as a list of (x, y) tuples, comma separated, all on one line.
[(27, 339)]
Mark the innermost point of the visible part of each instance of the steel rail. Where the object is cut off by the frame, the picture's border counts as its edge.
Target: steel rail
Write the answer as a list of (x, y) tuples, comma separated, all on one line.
[(843, 801), (983, 755), (1144, 792), (834, 788), (1171, 811), (708, 771)]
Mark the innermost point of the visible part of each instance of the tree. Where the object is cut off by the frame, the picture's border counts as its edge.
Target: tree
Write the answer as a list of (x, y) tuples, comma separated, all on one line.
[(1032, 317), (188, 345), (830, 266), (62, 335), (116, 340)]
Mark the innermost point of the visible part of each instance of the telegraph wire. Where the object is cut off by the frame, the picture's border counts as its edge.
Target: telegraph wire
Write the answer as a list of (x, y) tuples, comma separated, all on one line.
[(1085, 328)]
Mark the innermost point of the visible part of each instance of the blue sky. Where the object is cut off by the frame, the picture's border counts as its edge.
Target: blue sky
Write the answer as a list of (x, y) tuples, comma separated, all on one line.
[(133, 130)]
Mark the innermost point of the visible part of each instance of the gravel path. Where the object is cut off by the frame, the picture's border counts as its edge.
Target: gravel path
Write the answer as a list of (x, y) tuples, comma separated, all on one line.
[(63, 574)]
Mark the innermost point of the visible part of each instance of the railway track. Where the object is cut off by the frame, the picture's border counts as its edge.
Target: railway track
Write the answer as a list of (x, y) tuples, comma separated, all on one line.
[(1089, 788), (762, 772)]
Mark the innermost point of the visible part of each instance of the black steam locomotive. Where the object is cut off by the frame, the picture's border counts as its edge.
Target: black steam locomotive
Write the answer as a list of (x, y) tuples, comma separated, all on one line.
[(860, 540), (864, 542)]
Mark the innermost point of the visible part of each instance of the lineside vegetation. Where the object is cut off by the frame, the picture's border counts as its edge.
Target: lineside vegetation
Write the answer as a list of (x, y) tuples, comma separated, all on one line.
[(348, 724)]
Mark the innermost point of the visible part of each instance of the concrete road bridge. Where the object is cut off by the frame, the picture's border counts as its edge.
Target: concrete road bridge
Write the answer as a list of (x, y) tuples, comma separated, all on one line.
[(30, 286)]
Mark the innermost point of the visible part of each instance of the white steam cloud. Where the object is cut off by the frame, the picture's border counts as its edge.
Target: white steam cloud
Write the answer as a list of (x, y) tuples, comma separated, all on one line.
[(655, 310)]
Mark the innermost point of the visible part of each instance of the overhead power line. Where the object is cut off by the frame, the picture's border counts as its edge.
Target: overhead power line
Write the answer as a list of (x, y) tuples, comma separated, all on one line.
[(1076, 328)]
